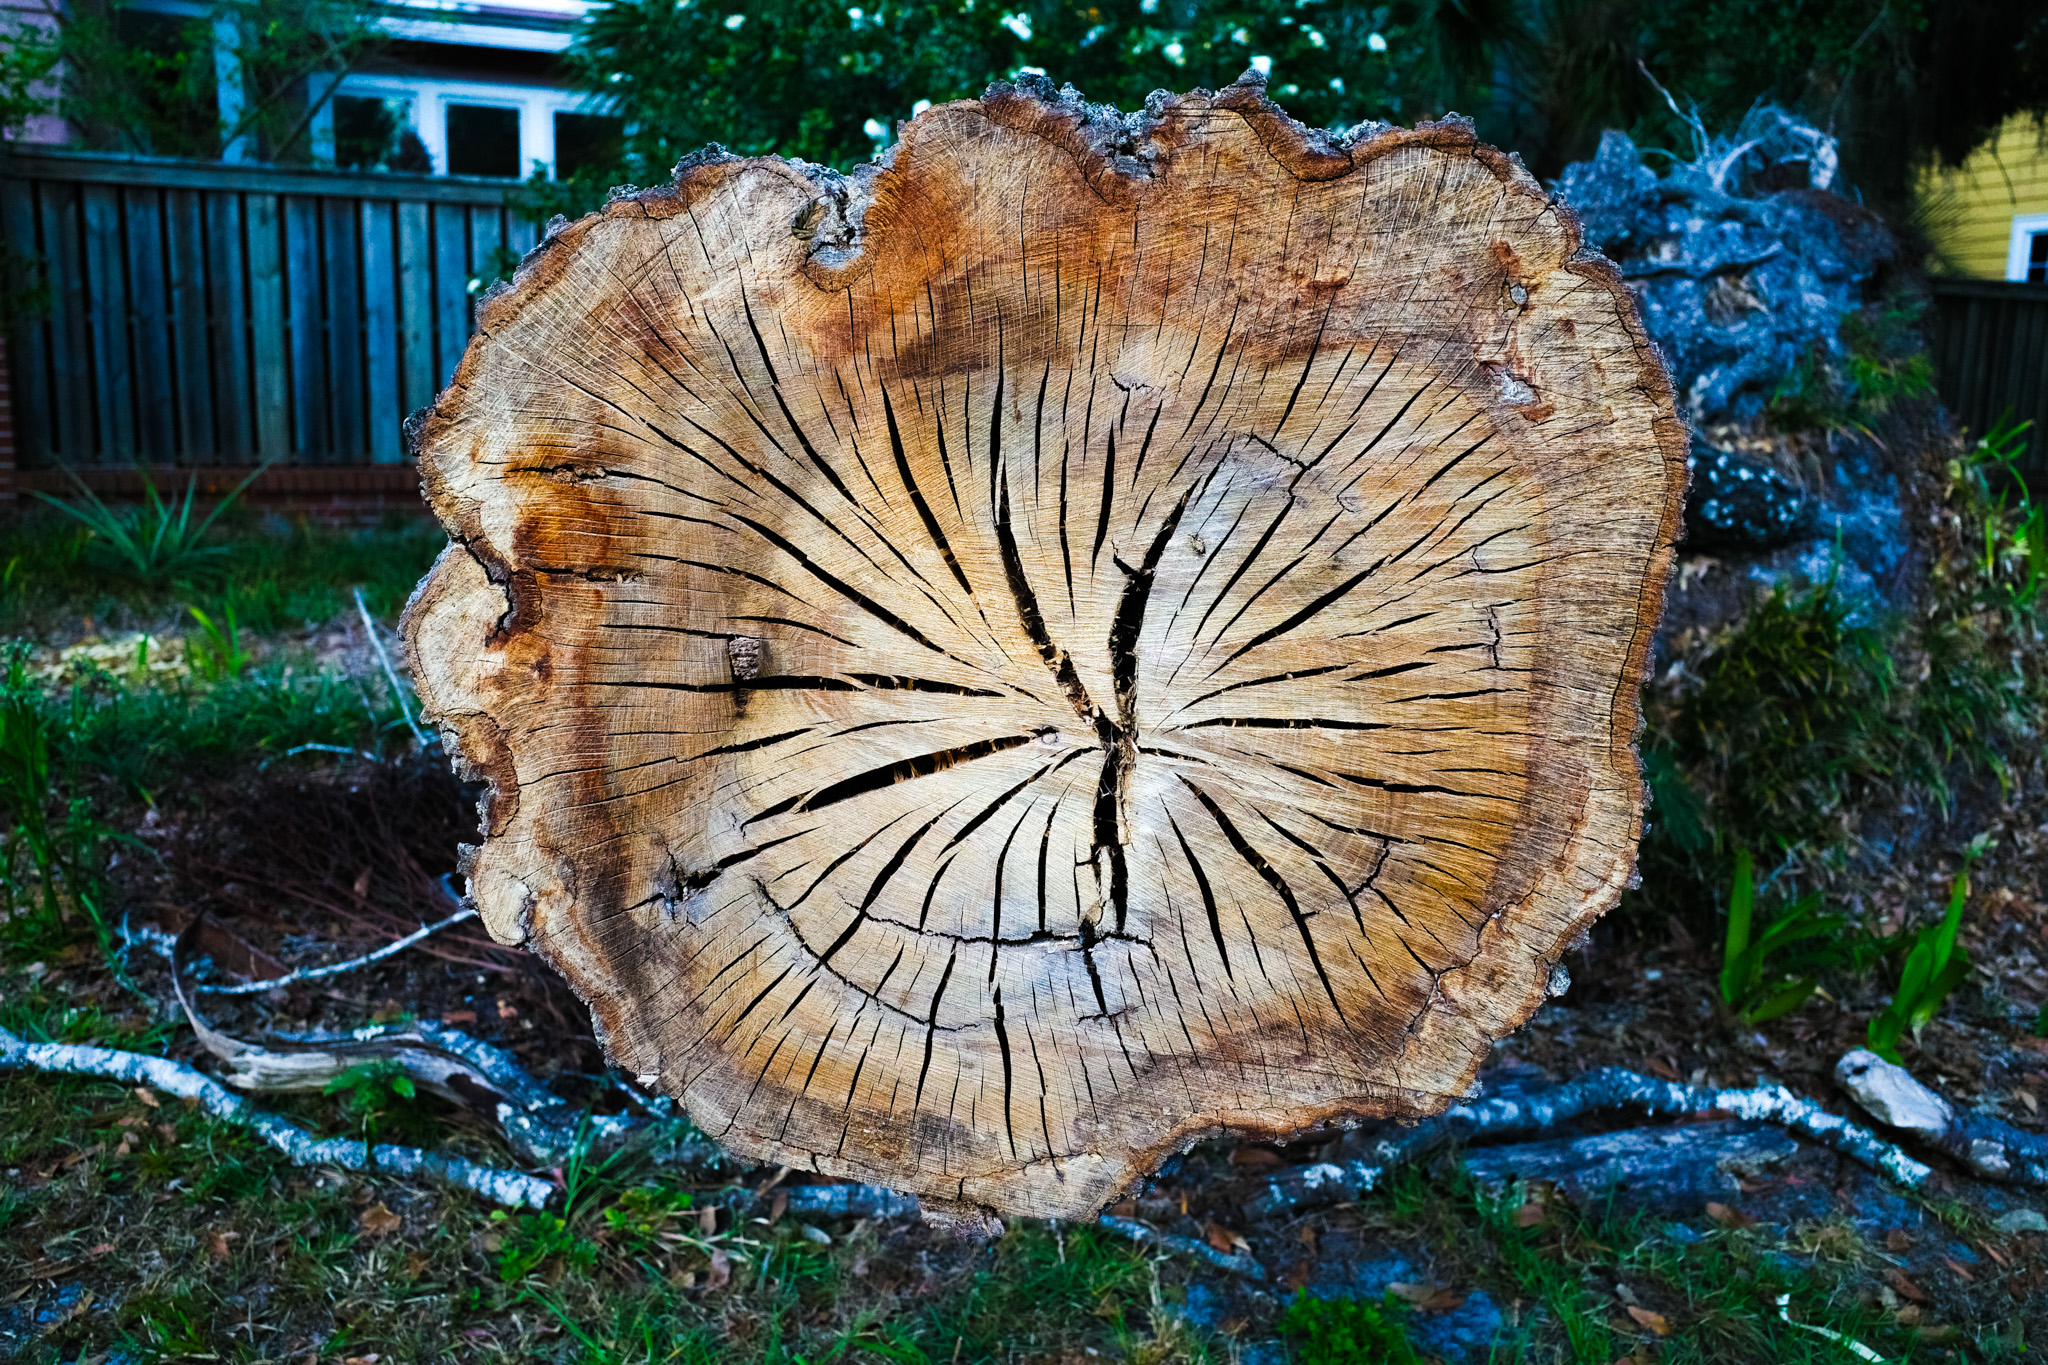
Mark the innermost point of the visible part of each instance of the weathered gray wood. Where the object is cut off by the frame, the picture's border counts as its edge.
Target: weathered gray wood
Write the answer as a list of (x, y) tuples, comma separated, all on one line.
[(228, 330), (310, 393), (70, 353), (343, 262), (486, 235), (451, 290), (380, 332), (107, 302), (186, 242), (28, 357), (416, 307), (267, 339), (149, 312)]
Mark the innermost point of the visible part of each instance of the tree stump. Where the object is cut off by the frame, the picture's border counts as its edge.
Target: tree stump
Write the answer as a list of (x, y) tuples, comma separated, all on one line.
[(1096, 632)]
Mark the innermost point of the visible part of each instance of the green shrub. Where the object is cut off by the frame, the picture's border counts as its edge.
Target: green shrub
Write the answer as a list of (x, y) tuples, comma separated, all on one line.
[(1347, 1331), (1791, 709)]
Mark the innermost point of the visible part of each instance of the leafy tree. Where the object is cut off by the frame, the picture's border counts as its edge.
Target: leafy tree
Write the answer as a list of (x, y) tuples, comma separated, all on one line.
[(1903, 82), (825, 82), (148, 82)]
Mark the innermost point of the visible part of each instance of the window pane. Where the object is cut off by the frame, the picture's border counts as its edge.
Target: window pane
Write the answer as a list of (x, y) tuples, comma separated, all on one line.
[(595, 141), (2037, 259), (483, 140), (373, 134)]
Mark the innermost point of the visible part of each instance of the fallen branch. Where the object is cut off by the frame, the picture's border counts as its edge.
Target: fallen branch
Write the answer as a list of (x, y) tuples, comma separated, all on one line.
[(1605, 1088), (298, 1146), (1988, 1146), (542, 1128), (1186, 1246)]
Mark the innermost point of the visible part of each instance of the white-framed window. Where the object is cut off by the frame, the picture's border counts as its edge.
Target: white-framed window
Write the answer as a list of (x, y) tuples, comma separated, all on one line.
[(459, 127), (2026, 259)]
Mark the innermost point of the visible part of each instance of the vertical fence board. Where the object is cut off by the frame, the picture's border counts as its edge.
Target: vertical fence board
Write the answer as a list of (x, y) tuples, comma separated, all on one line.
[(106, 283), (486, 236), (416, 307), (267, 340), (305, 326), (228, 328), (149, 326), (380, 332), (451, 290), (194, 376), (28, 354), (74, 434), (343, 260)]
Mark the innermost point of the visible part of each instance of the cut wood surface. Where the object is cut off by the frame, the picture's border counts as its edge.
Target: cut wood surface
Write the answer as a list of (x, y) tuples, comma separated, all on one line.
[(1099, 631)]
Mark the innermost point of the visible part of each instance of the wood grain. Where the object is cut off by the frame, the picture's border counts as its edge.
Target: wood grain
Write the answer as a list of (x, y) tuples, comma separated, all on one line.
[(1091, 635)]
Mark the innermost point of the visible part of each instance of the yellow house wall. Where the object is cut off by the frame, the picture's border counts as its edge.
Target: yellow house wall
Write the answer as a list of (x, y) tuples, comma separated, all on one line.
[(1967, 211)]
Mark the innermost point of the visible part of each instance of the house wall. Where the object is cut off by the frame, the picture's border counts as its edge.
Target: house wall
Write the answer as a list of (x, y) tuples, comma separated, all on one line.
[(1980, 216), (14, 15)]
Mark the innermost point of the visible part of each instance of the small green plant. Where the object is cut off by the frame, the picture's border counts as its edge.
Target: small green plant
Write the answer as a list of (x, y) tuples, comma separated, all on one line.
[(2015, 554), (1935, 965), (370, 1092), (158, 540), (1759, 980), (533, 1240), (1347, 1331), (217, 653)]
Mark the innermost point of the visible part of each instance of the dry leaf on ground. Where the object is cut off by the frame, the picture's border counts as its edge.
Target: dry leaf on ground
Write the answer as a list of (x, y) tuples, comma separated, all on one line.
[(379, 1221), (1655, 1322), (1224, 1240), (1728, 1217)]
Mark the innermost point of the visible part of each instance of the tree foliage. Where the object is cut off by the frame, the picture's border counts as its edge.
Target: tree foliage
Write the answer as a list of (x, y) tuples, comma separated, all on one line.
[(148, 82), (1902, 81)]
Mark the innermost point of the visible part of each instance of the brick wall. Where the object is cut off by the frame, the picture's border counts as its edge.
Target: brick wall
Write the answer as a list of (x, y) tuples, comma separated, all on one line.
[(344, 495)]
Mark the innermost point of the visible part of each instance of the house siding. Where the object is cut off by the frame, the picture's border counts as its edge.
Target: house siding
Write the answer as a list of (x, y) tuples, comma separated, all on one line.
[(1967, 211)]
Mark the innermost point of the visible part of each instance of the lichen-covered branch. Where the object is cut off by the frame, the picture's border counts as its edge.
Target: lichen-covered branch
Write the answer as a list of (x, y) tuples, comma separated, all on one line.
[(1602, 1089), (300, 1147)]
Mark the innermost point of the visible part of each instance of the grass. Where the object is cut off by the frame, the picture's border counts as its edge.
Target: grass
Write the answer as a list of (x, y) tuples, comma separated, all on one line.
[(196, 1240), (277, 575)]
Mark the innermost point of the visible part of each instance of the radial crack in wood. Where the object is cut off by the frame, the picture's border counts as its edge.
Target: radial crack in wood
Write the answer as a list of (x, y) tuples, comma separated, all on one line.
[(1099, 631)]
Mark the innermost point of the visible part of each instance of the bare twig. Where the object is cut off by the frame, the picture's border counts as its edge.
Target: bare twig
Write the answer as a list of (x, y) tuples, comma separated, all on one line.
[(336, 969), (398, 689), (299, 1146), (298, 749)]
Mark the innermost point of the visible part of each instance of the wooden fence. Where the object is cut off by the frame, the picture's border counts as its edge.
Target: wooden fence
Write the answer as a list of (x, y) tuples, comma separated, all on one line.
[(207, 315), (1990, 345)]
